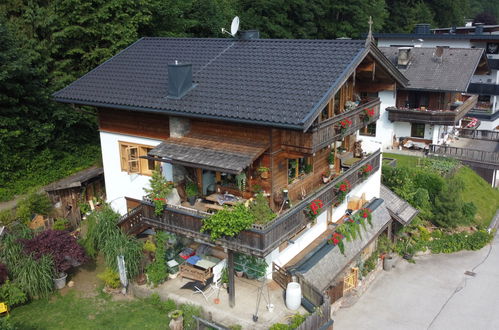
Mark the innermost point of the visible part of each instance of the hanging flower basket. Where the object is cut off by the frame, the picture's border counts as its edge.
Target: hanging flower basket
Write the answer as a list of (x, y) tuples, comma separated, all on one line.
[(313, 209), (343, 126), (365, 214), (366, 170), (368, 114), (342, 188)]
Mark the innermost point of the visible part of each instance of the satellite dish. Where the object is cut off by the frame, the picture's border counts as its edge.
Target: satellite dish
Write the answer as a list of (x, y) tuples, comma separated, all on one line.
[(234, 27)]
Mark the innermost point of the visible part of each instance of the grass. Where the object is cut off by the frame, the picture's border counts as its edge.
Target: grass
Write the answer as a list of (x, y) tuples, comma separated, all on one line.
[(403, 160), (478, 191), (72, 312)]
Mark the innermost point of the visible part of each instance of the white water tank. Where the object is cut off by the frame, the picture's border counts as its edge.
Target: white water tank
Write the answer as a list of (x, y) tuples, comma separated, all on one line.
[(293, 296)]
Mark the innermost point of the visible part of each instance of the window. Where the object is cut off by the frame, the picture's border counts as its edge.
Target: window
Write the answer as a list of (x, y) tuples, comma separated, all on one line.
[(131, 162), (417, 130), (369, 130), (418, 100), (298, 167)]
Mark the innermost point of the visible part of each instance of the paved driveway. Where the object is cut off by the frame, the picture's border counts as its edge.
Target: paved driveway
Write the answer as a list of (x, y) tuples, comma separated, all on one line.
[(434, 293)]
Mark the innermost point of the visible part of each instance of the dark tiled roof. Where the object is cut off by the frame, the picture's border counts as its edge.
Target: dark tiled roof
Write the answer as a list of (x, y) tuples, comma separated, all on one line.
[(425, 71), (205, 152), (399, 209), (272, 82)]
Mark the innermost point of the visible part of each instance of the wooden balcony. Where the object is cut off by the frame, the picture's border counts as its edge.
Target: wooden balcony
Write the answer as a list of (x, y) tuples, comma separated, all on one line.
[(259, 240), (326, 132), (434, 117), (479, 134), (488, 158)]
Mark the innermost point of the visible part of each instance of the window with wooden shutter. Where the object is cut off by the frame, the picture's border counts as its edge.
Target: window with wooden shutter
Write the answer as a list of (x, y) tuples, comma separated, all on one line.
[(130, 158)]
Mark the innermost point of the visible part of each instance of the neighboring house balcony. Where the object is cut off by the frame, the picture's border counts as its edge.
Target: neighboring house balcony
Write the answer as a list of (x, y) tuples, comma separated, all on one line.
[(259, 240), (483, 89), (434, 117), (487, 158)]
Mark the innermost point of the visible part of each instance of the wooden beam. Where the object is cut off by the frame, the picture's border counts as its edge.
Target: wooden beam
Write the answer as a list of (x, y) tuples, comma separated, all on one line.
[(375, 87), (232, 288), (365, 67), (199, 178)]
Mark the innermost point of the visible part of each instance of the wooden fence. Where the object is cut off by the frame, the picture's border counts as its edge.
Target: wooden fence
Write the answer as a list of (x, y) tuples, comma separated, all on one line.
[(320, 318)]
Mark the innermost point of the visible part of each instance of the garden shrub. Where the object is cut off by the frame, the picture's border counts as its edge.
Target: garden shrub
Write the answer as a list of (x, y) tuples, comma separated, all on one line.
[(121, 244), (33, 203), (189, 311), (460, 241), (7, 217), (12, 295), (60, 224), (441, 165), (6, 324), (34, 277), (163, 306), (60, 245), (469, 211), (111, 278), (294, 322), (432, 182), (157, 270), (448, 205)]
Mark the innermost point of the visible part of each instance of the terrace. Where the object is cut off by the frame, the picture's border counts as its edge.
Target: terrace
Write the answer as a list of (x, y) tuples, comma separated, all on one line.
[(258, 240)]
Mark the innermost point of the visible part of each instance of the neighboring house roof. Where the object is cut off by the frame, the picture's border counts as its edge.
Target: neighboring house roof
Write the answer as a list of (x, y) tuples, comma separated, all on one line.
[(76, 180), (399, 209), (321, 266), (450, 72), (225, 155), (435, 36), (281, 83)]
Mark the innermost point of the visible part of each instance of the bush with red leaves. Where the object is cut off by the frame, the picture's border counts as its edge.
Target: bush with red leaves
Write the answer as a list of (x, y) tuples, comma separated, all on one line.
[(59, 244), (4, 275)]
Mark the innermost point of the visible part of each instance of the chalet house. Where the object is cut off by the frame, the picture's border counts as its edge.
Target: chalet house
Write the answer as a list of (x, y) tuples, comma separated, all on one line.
[(435, 99), (242, 116)]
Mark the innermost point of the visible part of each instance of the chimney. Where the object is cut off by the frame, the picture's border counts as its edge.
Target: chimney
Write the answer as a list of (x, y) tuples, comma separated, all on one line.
[(249, 34), (438, 54), (478, 28), (404, 56), (179, 79), (422, 29)]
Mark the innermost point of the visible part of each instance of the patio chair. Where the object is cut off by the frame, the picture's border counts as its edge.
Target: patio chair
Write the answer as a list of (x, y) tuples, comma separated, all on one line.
[(207, 290)]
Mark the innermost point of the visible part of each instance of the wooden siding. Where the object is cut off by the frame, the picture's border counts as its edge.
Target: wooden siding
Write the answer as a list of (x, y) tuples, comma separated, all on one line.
[(260, 240), (231, 130), (150, 125)]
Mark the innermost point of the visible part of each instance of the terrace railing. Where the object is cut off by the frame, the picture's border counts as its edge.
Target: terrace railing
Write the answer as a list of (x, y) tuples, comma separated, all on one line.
[(466, 154), (435, 117), (258, 240), (326, 132), (479, 134)]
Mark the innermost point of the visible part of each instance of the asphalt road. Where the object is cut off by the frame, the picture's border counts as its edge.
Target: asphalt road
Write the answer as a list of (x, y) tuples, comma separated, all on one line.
[(434, 293)]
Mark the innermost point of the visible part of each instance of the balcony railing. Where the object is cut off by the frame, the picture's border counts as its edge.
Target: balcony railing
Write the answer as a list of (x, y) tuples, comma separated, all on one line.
[(466, 154), (483, 89), (326, 132), (435, 117), (259, 240), (479, 134)]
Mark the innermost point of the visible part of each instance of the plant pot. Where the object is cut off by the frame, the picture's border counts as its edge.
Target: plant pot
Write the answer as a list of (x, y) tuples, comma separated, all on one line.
[(388, 262), (239, 273), (192, 200), (264, 175), (173, 276), (177, 324), (60, 282), (331, 167)]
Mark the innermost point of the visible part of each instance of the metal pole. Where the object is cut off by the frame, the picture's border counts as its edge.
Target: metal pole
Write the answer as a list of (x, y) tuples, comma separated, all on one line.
[(232, 292)]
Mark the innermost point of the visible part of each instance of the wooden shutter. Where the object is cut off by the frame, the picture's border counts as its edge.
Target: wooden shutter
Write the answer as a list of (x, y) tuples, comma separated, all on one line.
[(132, 154)]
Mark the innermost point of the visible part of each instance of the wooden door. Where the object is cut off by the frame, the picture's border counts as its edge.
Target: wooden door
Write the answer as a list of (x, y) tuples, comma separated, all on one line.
[(351, 280)]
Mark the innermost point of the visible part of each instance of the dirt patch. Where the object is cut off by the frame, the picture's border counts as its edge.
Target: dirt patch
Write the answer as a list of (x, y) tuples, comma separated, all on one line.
[(85, 279)]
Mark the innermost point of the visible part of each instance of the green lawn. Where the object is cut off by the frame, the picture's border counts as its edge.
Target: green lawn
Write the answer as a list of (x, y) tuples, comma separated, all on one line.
[(72, 312), (478, 191), (403, 160)]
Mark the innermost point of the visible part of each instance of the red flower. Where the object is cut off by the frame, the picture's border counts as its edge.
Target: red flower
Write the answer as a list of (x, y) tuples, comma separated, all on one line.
[(343, 187), (336, 241), (365, 214)]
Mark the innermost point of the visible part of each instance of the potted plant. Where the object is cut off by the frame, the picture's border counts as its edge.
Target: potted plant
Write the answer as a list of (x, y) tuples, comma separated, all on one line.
[(176, 320), (343, 126), (160, 188), (342, 188), (365, 171), (313, 209), (191, 190), (330, 160), (368, 114), (257, 267), (264, 172)]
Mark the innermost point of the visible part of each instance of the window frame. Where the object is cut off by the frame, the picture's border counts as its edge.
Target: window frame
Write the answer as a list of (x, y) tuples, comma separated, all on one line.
[(414, 130), (366, 131), (130, 160)]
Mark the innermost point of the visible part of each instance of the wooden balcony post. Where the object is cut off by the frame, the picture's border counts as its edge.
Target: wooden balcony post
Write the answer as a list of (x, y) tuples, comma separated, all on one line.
[(230, 266)]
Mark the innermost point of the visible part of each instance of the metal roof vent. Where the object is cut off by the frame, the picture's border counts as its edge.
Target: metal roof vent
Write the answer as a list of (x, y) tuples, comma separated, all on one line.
[(179, 79), (249, 34), (404, 56), (422, 29)]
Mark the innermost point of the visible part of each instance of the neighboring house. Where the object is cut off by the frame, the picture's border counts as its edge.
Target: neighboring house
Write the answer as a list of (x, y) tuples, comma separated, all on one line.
[(435, 99), (220, 113), (485, 84)]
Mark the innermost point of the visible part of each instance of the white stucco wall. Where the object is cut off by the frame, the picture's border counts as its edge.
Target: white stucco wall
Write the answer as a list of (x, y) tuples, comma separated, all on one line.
[(118, 183), (371, 188)]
